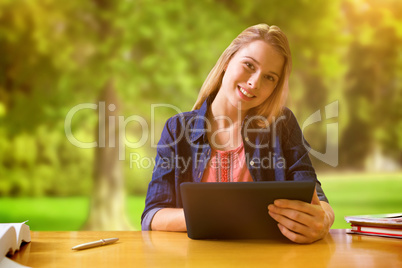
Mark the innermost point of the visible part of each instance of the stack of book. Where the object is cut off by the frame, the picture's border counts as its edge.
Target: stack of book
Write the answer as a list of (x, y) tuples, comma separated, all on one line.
[(389, 225)]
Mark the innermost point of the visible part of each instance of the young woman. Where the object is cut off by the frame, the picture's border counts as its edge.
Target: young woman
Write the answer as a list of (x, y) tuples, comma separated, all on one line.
[(239, 130)]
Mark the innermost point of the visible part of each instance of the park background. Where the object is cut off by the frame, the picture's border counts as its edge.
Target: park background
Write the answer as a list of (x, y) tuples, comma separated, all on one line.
[(135, 54)]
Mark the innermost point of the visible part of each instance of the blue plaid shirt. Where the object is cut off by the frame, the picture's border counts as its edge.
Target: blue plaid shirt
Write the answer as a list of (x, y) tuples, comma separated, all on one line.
[(276, 153)]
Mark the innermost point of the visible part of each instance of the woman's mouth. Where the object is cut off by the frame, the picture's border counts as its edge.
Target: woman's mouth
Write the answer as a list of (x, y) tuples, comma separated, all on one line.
[(245, 93)]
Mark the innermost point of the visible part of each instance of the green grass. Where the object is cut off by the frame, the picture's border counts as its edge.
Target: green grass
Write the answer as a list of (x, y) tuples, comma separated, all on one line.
[(349, 194), (362, 194), (59, 214)]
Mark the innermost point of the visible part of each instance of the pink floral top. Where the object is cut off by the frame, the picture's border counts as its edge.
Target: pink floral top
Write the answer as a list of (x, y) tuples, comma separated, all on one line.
[(227, 166)]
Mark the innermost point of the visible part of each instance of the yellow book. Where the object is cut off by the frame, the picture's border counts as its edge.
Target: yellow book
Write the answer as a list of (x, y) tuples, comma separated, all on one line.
[(385, 220)]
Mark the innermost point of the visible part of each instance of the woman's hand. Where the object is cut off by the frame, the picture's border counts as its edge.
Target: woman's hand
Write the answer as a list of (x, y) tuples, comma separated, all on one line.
[(302, 222)]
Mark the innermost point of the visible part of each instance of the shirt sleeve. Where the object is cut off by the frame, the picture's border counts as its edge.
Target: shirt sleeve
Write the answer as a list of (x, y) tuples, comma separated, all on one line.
[(298, 163), (161, 189)]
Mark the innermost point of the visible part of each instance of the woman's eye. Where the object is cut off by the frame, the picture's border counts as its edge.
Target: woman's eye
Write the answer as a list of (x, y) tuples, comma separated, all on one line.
[(270, 78), (249, 65)]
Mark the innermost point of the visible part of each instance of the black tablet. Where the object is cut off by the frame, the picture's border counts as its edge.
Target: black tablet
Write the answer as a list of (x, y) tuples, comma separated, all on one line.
[(237, 210)]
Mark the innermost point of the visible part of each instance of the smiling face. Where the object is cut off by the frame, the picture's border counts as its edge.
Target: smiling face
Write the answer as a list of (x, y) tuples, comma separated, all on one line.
[(251, 76)]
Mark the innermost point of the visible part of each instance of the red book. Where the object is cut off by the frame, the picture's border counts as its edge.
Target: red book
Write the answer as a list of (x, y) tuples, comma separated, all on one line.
[(377, 230)]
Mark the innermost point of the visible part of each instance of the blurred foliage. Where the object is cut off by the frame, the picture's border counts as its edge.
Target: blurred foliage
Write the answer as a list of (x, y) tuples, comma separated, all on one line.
[(55, 55)]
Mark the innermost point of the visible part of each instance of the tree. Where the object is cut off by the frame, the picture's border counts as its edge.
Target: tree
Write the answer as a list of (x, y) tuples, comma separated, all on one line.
[(55, 61), (107, 209), (373, 93)]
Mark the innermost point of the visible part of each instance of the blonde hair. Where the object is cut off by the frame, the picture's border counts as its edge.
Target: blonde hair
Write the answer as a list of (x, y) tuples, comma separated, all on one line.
[(273, 35)]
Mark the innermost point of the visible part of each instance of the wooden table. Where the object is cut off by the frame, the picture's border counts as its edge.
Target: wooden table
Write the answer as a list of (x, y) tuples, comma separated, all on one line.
[(164, 249)]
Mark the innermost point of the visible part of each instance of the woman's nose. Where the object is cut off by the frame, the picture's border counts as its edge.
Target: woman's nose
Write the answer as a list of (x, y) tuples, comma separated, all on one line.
[(254, 81)]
